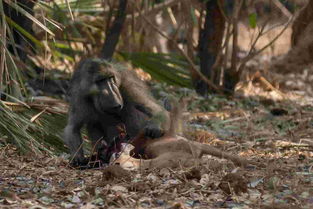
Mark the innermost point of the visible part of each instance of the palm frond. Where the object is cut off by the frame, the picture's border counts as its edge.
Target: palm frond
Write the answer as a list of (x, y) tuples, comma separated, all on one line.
[(28, 15), (44, 134), (168, 68)]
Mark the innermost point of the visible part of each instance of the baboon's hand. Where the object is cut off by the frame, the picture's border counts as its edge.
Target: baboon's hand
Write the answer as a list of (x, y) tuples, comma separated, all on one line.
[(79, 163), (153, 131)]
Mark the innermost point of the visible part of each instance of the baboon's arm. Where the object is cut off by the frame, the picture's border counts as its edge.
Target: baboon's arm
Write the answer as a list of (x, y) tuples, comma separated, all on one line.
[(73, 140)]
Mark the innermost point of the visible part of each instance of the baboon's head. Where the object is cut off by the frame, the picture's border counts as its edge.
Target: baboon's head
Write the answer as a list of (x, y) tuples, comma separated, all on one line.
[(104, 87)]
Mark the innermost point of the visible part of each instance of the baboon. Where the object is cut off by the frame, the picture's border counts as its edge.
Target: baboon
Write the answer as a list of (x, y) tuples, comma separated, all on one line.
[(104, 95)]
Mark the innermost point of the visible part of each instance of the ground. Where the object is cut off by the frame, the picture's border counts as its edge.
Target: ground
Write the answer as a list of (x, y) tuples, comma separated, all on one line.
[(269, 121), (272, 129)]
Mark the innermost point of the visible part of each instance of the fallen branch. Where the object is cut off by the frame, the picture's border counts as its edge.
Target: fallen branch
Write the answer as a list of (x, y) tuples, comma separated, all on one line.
[(267, 84)]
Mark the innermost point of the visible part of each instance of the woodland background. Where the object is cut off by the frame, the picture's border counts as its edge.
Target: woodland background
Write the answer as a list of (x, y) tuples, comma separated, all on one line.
[(246, 66)]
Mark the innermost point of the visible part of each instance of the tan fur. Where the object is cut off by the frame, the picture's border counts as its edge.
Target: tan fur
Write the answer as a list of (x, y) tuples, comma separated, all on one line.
[(171, 150)]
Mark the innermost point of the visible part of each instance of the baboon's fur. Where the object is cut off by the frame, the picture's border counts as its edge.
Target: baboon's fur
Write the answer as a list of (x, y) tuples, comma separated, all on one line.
[(97, 89)]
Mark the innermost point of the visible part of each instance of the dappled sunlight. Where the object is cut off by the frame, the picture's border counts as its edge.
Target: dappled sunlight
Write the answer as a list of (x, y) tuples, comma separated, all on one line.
[(177, 104)]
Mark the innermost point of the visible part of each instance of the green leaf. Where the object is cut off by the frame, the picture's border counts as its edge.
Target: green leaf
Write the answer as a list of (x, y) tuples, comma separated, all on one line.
[(193, 15), (24, 32), (252, 20), (168, 68), (28, 15), (43, 135)]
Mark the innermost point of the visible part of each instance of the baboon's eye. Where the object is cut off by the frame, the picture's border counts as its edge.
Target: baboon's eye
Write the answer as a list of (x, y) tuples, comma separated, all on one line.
[(113, 79), (101, 79)]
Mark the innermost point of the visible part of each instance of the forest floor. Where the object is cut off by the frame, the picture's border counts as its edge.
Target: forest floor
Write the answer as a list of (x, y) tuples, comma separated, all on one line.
[(269, 126)]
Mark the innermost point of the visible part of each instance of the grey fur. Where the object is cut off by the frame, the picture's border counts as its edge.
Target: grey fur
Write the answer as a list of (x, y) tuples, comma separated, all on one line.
[(92, 108)]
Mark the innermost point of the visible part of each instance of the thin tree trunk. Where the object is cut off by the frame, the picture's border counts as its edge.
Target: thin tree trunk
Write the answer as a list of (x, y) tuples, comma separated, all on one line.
[(210, 40), (114, 32)]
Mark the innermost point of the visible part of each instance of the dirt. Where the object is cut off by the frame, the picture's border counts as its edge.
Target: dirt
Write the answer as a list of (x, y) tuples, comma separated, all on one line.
[(280, 143), (233, 182)]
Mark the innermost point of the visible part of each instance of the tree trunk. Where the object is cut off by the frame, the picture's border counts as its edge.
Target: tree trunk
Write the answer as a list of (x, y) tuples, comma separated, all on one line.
[(210, 40), (112, 36), (301, 54), (302, 21)]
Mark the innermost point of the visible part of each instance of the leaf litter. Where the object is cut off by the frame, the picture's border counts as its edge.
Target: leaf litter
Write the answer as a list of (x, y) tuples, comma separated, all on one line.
[(268, 129)]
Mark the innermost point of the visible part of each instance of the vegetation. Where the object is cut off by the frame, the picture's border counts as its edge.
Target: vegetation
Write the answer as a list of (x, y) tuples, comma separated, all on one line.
[(244, 65)]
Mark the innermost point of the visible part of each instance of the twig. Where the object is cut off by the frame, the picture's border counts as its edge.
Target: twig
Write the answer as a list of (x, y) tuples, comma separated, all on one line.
[(295, 146), (259, 35), (46, 107), (234, 59), (220, 6), (182, 52), (76, 152), (3, 51), (227, 38), (69, 9), (155, 9), (37, 115), (190, 29), (252, 55), (172, 17), (307, 141), (282, 8)]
